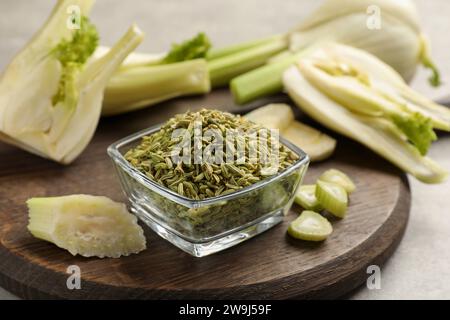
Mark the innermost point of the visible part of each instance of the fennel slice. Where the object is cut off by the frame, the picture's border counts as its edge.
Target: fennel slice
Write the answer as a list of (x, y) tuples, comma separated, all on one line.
[(272, 116), (318, 145), (332, 197), (306, 198), (86, 225), (338, 177), (310, 226)]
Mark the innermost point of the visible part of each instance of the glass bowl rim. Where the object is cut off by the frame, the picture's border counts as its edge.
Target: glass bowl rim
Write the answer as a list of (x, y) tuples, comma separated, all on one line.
[(119, 159)]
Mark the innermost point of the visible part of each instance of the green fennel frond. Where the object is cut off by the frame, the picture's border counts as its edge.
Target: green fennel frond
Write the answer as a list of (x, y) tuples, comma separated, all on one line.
[(73, 54), (194, 48), (418, 129)]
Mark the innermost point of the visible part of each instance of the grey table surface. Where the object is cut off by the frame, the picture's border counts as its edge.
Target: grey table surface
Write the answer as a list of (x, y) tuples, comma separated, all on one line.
[(420, 268)]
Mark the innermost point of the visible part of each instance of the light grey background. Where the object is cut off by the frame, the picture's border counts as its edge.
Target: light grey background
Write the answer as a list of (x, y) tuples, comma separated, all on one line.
[(420, 268)]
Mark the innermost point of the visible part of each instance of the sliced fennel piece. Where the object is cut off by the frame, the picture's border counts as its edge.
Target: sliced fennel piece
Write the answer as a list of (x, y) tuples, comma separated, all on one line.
[(316, 144), (336, 117), (30, 117), (310, 226), (306, 198), (332, 197), (140, 86), (86, 225), (338, 177), (272, 116)]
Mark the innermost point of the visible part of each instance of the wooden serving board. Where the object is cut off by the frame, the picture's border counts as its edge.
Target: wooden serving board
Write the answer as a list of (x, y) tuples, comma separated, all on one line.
[(271, 265)]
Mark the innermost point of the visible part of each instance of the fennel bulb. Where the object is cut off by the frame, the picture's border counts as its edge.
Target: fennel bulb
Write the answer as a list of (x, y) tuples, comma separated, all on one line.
[(354, 93), (52, 91), (397, 40)]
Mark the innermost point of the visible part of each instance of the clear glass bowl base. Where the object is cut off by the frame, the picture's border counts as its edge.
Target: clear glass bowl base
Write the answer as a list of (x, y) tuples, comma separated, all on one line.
[(204, 248)]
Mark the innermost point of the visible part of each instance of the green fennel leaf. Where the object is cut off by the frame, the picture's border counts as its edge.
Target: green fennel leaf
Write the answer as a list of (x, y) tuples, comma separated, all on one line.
[(194, 48), (73, 54), (80, 47), (418, 129)]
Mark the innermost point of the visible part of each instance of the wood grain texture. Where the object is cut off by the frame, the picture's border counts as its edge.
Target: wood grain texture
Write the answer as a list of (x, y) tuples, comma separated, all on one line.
[(271, 265)]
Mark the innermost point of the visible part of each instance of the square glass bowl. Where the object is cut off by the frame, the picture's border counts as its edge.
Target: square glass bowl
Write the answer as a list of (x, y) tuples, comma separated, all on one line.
[(203, 227)]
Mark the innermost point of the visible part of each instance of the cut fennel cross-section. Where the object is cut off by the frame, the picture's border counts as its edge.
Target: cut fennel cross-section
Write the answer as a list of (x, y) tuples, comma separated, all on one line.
[(310, 226), (51, 93), (403, 140), (86, 225)]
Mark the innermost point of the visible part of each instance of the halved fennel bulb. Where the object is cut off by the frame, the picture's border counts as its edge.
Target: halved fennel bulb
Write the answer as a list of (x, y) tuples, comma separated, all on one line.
[(51, 93), (387, 29), (354, 93)]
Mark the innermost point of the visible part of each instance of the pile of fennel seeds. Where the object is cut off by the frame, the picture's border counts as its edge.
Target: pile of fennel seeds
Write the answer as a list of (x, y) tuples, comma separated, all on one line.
[(153, 157)]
